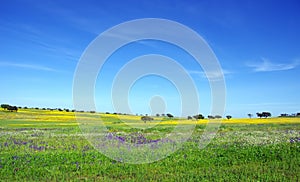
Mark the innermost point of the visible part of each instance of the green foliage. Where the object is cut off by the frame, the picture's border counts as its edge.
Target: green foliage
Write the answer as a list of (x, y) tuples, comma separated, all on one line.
[(170, 115), (9, 107), (228, 117), (5, 106), (264, 114), (146, 118), (198, 116)]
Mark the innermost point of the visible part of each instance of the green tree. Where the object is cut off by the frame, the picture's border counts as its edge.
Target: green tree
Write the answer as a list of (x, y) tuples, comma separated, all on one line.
[(198, 116), (4, 106), (228, 117), (250, 115), (170, 115)]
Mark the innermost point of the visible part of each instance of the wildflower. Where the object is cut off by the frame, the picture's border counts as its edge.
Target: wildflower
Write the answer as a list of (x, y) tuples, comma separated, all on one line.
[(109, 136)]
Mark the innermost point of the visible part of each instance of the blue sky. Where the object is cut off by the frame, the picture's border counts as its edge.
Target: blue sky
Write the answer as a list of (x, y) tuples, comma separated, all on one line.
[(256, 43)]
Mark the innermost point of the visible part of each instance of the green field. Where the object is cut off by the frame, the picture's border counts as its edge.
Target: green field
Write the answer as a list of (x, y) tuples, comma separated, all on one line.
[(41, 145)]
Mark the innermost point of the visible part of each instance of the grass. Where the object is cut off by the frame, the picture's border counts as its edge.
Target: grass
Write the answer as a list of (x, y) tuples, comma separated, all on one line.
[(39, 145)]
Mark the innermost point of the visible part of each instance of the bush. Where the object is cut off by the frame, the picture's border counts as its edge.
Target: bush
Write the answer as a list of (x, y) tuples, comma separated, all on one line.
[(198, 116), (12, 108), (146, 118), (228, 117), (170, 115)]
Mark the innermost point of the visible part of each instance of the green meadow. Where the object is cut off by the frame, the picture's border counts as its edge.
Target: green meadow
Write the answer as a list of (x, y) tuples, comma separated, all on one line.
[(43, 145)]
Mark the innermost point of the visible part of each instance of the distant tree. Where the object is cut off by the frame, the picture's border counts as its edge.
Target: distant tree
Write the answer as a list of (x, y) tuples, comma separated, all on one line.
[(25, 107), (4, 106), (218, 116), (59, 109), (170, 115), (92, 111), (210, 117), (250, 115), (228, 117), (163, 115), (107, 113), (298, 114), (198, 116), (36, 108), (67, 110), (263, 114), (73, 110), (157, 115), (266, 114), (284, 115), (259, 115), (146, 118), (189, 117), (12, 108)]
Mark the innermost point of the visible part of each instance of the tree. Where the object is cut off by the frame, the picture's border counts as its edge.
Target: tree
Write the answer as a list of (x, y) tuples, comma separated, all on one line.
[(157, 115), (228, 117), (218, 116), (210, 117), (266, 114), (198, 116), (12, 108), (263, 114), (4, 106), (250, 115), (146, 118), (170, 115), (189, 117), (284, 115), (259, 115)]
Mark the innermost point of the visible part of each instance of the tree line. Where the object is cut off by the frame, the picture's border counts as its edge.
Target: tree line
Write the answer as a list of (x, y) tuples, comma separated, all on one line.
[(264, 114), (9, 107)]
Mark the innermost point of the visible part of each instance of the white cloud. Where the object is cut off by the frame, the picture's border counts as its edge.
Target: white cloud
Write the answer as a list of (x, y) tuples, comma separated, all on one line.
[(28, 66), (266, 65), (213, 75)]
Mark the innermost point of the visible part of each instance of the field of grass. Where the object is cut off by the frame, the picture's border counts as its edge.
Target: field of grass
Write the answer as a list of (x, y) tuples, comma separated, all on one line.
[(41, 145)]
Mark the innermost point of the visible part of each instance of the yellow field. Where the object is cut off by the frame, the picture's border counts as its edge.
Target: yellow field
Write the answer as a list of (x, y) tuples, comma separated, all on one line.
[(27, 117)]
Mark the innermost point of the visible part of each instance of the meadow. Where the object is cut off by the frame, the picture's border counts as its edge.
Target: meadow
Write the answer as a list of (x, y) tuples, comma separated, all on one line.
[(43, 145)]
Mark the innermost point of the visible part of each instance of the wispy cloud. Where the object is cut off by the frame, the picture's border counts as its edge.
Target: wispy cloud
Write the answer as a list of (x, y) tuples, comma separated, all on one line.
[(213, 75), (28, 35), (266, 65), (28, 66)]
